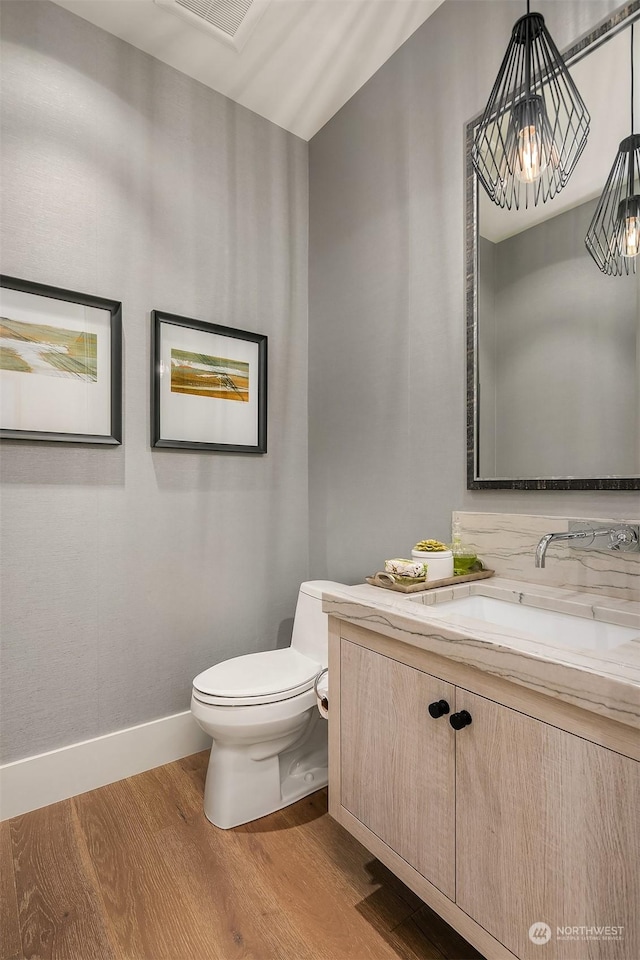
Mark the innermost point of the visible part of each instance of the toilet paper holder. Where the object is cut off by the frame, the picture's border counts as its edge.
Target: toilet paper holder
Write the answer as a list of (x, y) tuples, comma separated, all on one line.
[(323, 700)]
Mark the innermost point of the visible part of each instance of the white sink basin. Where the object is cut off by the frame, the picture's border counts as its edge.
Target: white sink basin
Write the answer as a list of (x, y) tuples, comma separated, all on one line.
[(561, 629)]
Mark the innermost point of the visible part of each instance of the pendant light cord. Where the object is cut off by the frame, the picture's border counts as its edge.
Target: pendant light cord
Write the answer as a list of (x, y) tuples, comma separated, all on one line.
[(528, 51), (632, 84)]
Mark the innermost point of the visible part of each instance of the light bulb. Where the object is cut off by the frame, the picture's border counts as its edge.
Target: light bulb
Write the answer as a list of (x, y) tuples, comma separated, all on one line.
[(631, 237), (530, 146), (532, 159), (628, 232)]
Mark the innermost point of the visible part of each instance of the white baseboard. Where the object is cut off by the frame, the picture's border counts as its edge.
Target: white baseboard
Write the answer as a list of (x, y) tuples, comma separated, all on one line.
[(49, 777)]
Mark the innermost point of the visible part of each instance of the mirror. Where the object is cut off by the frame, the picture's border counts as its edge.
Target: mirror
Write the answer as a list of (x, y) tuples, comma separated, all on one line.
[(553, 344)]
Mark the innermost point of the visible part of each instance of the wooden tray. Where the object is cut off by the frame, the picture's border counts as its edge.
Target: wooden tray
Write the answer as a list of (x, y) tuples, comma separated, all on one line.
[(427, 584)]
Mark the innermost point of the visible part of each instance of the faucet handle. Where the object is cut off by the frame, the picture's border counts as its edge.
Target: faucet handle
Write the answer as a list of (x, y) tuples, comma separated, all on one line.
[(623, 538), (618, 535)]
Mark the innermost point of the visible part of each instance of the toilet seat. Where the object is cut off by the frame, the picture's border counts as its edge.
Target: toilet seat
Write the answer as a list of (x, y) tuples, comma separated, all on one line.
[(257, 678)]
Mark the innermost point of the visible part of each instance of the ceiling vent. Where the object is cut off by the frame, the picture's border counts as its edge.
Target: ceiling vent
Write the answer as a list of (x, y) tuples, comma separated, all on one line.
[(231, 21)]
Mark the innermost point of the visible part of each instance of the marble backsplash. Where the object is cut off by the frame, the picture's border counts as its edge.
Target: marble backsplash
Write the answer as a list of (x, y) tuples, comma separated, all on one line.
[(506, 542)]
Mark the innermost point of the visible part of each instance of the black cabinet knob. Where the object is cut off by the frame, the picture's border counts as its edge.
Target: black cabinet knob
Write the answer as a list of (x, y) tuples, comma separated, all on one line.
[(460, 720), (438, 708)]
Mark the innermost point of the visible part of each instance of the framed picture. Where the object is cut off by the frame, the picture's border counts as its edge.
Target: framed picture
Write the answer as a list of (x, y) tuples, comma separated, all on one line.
[(60, 364), (208, 386)]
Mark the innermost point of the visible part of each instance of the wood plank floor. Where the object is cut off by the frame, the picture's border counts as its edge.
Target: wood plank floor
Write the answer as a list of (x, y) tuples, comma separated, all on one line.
[(134, 871)]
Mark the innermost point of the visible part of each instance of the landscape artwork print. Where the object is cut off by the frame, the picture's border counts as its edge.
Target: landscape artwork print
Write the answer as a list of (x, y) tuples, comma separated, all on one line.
[(38, 348), (204, 376), (208, 386)]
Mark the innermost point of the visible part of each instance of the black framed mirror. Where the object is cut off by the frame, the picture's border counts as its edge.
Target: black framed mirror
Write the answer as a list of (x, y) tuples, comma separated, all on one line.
[(553, 344)]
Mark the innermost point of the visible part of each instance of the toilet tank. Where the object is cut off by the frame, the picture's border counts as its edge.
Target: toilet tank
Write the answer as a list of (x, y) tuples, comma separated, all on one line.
[(310, 627)]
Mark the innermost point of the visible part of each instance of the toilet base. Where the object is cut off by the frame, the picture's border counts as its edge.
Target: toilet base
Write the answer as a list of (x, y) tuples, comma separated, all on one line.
[(240, 788)]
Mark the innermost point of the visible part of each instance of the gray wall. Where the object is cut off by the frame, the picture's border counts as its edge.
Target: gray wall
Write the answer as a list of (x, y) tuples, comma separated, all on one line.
[(566, 335), (387, 296), (123, 570)]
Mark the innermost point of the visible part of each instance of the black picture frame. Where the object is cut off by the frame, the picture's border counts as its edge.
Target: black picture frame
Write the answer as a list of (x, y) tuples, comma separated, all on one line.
[(114, 308), (160, 318)]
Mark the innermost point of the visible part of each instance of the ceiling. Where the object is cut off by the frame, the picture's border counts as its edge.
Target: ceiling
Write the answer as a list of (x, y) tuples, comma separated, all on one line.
[(302, 61), (603, 79)]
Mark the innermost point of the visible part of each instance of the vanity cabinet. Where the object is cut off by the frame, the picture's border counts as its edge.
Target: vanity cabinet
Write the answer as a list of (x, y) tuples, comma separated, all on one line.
[(547, 829), (507, 822), (398, 762)]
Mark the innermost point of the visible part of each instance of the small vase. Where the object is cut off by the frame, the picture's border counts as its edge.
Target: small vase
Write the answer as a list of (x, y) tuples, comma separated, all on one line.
[(464, 556)]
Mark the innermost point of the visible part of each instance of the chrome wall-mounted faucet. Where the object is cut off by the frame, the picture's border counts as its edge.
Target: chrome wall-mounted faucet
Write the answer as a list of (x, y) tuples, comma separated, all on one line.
[(589, 534)]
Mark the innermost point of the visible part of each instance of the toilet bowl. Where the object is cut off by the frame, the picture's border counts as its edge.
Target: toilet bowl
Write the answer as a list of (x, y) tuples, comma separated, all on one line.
[(269, 741)]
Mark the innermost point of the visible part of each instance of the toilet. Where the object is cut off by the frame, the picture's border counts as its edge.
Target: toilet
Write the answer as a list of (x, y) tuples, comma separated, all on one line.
[(269, 741)]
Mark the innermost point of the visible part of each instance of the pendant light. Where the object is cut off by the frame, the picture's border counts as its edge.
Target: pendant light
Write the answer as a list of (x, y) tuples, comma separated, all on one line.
[(534, 126), (613, 237)]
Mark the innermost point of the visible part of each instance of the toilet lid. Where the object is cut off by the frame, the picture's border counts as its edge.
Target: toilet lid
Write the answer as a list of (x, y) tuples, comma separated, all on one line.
[(258, 677)]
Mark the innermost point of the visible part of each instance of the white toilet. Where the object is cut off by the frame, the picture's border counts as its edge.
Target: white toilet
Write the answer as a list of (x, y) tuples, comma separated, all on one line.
[(269, 740)]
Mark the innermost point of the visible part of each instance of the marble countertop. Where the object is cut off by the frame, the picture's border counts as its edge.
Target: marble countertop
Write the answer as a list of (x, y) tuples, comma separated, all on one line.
[(606, 682)]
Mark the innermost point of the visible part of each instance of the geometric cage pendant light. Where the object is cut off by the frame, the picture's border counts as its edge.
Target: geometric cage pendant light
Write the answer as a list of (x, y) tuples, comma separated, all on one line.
[(535, 124), (613, 237)]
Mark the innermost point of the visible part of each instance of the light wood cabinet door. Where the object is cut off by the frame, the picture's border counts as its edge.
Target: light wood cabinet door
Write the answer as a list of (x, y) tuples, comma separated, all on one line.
[(548, 832), (398, 762)]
